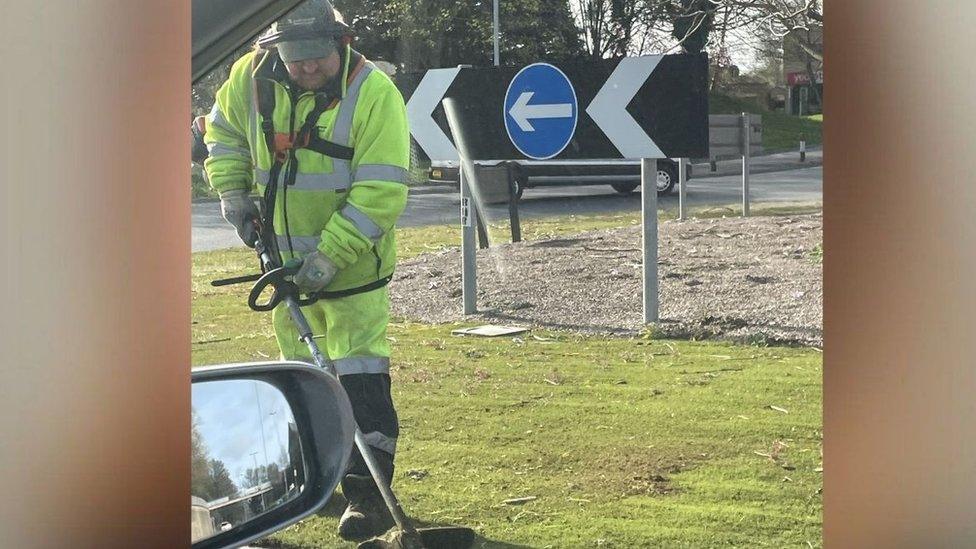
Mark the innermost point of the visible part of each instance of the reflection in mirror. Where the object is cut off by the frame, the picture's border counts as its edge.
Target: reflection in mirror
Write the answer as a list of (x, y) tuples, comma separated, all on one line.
[(245, 454)]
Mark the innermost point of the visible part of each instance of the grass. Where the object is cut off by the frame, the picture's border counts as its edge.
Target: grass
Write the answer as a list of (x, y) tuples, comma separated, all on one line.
[(781, 132), (623, 442)]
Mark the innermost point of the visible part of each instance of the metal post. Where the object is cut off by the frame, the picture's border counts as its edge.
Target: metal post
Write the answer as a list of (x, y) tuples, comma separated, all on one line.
[(469, 271), (746, 154), (469, 213), (649, 225), (513, 200), (482, 229), (682, 189), (495, 31)]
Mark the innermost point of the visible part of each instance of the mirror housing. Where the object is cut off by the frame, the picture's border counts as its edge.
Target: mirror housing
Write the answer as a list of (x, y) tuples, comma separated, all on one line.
[(326, 429), (221, 26)]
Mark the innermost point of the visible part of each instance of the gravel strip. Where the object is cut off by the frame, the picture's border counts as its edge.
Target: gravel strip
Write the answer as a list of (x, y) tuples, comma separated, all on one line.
[(755, 280)]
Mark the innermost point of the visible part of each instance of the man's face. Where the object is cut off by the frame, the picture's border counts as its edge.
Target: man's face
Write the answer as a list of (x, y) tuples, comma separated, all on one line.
[(312, 74)]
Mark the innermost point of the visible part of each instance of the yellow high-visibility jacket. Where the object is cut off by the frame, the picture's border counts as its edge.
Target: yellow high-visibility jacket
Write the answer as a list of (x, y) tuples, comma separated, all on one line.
[(344, 208)]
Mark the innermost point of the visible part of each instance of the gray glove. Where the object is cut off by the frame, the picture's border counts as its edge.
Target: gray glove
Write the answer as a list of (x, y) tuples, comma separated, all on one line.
[(241, 212), (316, 272)]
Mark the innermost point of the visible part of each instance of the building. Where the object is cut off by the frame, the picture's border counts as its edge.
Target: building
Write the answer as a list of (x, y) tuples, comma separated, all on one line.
[(804, 93)]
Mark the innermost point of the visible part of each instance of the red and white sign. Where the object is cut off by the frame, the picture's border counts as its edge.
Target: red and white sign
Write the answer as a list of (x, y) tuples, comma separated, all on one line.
[(802, 78)]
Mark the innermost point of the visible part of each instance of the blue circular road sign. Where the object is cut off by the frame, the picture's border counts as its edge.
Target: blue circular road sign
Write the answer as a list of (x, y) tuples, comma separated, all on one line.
[(540, 111)]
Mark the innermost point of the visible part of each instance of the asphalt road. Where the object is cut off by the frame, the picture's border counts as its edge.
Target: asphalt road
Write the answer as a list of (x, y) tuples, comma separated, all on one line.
[(211, 232)]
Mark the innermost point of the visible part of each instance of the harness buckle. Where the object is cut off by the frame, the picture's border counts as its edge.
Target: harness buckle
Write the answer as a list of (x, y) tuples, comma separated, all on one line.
[(284, 142)]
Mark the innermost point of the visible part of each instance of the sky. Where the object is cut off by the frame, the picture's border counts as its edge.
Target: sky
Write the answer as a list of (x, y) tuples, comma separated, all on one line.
[(238, 417)]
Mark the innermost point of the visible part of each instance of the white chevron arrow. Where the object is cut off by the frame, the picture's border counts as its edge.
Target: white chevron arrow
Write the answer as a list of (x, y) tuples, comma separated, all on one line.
[(521, 111), (421, 106), (609, 108)]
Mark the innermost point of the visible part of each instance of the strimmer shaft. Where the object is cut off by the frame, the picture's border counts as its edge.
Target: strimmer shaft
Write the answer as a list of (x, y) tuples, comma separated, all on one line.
[(305, 332)]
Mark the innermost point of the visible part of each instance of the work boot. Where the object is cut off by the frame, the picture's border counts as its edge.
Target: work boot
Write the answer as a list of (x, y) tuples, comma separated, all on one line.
[(366, 515)]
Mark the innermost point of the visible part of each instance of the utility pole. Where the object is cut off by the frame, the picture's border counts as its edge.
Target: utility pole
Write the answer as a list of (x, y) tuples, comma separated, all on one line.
[(495, 31)]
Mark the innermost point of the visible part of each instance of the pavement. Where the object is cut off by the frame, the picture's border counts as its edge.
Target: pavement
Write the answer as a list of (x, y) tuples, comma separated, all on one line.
[(776, 178)]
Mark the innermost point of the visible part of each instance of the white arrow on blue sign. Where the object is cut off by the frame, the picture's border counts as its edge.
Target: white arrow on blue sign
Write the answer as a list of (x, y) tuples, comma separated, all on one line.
[(540, 111)]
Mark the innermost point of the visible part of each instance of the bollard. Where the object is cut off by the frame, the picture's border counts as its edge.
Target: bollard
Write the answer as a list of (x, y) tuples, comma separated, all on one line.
[(803, 150)]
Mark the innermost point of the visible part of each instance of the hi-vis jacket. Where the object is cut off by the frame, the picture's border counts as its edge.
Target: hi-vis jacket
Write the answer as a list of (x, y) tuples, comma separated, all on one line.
[(344, 208)]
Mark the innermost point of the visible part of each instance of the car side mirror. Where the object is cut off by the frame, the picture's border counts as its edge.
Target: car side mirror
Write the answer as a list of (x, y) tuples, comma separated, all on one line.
[(269, 444)]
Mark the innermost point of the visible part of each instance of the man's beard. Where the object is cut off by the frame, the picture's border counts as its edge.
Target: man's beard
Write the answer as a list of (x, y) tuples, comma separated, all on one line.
[(312, 82)]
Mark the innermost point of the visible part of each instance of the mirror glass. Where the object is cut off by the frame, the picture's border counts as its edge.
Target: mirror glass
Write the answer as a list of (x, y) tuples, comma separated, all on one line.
[(245, 454)]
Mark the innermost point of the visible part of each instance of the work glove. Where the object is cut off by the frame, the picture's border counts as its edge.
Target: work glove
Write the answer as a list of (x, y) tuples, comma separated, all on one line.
[(241, 212), (316, 272)]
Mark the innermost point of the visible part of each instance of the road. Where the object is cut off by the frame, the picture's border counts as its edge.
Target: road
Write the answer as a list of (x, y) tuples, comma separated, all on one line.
[(211, 232)]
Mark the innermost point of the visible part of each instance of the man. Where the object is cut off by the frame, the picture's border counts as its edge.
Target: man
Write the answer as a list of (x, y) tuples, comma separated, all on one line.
[(323, 136)]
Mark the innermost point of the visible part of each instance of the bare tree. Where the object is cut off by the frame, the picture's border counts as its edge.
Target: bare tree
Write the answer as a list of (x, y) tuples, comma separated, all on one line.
[(784, 17), (801, 20), (797, 19), (612, 28)]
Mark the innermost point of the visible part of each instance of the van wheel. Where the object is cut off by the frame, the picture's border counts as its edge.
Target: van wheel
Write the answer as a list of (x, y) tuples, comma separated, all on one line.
[(519, 181), (667, 177), (624, 188)]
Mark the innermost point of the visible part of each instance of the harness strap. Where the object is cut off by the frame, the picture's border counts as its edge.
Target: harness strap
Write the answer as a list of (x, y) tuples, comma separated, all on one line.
[(265, 98), (264, 102), (329, 148), (353, 291)]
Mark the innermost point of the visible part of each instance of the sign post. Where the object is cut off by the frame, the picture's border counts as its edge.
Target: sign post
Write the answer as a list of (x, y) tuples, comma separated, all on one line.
[(469, 213), (494, 31), (513, 200), (649, 237), (469, 265), (746, 156), (682, 189)]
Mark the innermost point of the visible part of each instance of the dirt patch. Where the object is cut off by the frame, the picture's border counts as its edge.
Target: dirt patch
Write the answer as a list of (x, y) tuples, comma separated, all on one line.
[(756, 279), (634, 472)]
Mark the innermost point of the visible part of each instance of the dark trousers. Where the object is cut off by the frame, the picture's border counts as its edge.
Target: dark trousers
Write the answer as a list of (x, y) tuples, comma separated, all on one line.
[(372, 406)]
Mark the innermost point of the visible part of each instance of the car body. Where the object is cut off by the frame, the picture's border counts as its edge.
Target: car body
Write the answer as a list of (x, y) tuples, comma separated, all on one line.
[(623, 175)]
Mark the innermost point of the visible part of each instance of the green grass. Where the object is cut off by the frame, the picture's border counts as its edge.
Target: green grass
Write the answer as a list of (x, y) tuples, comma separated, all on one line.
[(781, 132), (624, 442)]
